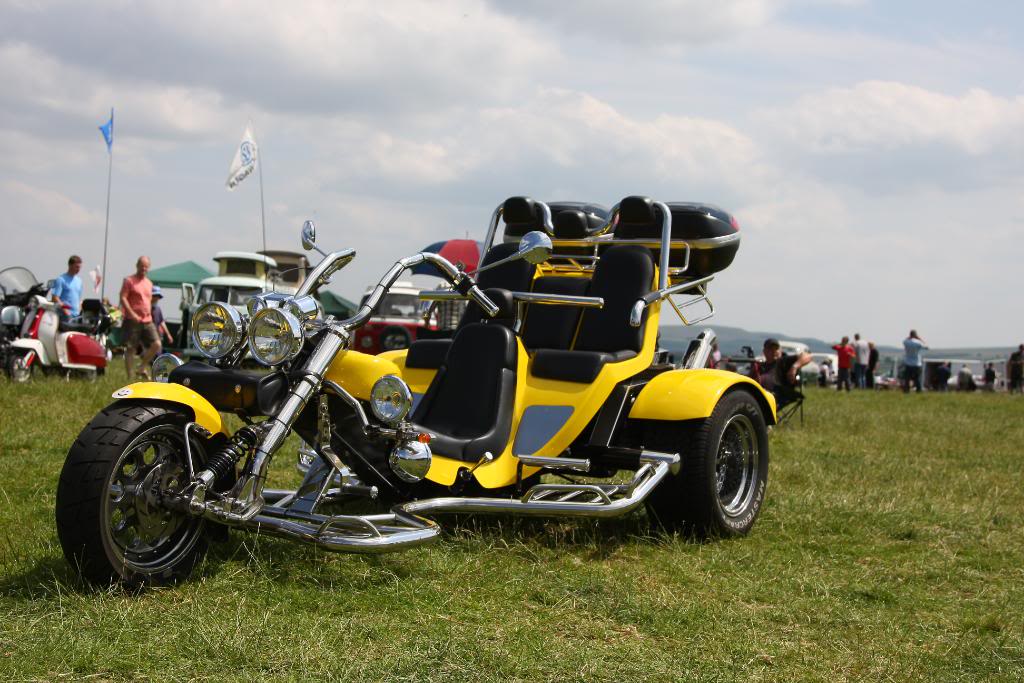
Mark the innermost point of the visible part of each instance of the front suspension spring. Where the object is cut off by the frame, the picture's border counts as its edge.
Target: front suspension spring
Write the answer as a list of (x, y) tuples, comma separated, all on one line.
[(223, 461)]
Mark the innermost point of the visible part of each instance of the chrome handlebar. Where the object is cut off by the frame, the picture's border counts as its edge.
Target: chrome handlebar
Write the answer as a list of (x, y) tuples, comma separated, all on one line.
[(458, 279)]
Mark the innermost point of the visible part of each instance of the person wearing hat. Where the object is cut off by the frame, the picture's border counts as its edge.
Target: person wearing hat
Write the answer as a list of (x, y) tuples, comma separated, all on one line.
[(158, 316)]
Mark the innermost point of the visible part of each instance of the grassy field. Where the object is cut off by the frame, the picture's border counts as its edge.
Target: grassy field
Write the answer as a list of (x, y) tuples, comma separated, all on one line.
[(890, 548)]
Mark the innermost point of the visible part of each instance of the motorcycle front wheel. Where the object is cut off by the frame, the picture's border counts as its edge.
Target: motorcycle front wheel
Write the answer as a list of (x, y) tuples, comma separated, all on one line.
[(17, 370), (111, 522)]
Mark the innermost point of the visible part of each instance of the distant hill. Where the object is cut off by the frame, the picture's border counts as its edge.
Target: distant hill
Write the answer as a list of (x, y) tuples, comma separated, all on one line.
[(731, 340)]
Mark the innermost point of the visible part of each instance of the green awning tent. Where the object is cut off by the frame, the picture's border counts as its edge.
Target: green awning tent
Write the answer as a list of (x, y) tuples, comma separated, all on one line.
[(335, 305), (177, 273)]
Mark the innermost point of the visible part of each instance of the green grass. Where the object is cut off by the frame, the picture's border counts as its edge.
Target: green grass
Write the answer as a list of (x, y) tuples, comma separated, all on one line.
[(890, 548)]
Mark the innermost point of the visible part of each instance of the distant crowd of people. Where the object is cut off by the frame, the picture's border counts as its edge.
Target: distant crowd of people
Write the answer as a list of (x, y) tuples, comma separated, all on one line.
[(142, 322), (856, 363), (856, 367)]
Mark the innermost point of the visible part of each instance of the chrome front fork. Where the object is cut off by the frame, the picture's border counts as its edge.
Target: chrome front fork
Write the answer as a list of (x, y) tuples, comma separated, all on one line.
[(247, 499)]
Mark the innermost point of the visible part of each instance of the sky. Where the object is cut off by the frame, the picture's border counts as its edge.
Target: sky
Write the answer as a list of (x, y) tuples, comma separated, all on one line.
[(871, 151)]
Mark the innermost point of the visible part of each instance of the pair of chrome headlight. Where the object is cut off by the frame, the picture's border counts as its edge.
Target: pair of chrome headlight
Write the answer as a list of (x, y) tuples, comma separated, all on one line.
[(275, 331)]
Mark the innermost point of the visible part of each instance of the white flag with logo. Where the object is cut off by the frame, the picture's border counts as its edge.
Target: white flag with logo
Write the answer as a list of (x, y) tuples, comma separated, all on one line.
[(245, 159)]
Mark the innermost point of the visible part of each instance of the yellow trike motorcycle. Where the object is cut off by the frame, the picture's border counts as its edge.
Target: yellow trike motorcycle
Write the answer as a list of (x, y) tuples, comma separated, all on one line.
[(550, 398)]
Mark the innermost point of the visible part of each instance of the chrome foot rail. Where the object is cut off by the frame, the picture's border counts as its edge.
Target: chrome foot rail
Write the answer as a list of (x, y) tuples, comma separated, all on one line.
[(407, 526), (348, 533)]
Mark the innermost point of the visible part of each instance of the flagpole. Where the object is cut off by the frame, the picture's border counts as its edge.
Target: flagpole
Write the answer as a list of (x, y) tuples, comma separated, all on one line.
[(263, 215), (106, 227)]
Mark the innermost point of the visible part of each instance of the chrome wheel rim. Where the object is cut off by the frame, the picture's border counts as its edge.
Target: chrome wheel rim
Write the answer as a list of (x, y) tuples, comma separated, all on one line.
[(736, 465), (142, 534)]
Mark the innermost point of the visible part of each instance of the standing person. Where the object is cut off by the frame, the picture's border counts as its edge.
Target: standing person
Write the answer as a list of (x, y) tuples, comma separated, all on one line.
[(137, 307), (860, 361), (1015, 370), (67, 289), (912, 347), (716, 356), (158, 317), (846, 354), (872, 365), (990, 378)]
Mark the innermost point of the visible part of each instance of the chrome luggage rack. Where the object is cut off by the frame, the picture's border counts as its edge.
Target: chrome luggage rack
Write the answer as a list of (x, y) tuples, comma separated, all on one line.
[(293, 514), (674, 285)]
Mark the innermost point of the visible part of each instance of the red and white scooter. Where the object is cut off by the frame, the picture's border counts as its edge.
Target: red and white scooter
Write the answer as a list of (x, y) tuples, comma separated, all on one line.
[(77, 346)]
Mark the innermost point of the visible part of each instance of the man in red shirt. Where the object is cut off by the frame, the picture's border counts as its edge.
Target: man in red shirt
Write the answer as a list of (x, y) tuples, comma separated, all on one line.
[(137, 326), (846, 353)]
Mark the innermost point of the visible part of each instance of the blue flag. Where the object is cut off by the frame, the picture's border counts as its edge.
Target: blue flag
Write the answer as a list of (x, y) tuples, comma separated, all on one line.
[(108, 131)]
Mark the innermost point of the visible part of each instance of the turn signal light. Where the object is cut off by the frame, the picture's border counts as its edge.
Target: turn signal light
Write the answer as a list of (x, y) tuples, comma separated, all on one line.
[(423, 437)]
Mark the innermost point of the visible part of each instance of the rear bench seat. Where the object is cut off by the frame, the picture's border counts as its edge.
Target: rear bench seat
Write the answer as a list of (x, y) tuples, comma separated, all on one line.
[(623, 275)]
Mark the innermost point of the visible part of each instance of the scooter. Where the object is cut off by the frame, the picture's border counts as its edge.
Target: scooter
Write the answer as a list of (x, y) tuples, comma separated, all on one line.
[(71, 347)]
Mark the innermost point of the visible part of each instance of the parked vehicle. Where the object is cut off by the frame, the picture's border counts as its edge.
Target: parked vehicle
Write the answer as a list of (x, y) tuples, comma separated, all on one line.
[(240, 276), (397, 322), (43, 339), (17, 287), (551, 371)]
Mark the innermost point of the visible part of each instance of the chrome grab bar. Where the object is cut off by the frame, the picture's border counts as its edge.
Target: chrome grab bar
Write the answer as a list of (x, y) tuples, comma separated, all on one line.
[(525, 297), (636, 313)]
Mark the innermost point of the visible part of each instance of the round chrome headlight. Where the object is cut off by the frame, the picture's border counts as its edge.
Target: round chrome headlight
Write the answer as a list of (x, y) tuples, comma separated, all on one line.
[(275, 336), (390, 399), (217, 329), (308, 311), (163, 365)]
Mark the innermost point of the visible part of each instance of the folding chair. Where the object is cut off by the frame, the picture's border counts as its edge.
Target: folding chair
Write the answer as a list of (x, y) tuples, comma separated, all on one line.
[(791, 400)]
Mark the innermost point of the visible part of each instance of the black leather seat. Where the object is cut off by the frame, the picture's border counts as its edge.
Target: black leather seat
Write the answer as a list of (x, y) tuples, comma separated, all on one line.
[(624, 274), (553, 327), (514, 276), (468, 406)]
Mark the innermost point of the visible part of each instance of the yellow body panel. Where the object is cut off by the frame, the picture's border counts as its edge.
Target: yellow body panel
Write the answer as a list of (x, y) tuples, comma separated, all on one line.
[(356, 372), (692, 394), (418, 379), (206, 416)]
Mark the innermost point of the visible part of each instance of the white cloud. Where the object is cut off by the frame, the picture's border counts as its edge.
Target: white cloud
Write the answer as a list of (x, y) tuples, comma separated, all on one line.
[(44, 207), (882, 117)]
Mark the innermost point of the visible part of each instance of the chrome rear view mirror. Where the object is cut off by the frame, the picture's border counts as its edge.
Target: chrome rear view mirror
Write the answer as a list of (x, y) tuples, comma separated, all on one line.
[(308, 235), (534, 247)]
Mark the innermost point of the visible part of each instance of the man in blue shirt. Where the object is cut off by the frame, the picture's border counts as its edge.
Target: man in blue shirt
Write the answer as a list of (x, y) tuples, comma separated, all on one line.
[(912, 362), (67, 288)]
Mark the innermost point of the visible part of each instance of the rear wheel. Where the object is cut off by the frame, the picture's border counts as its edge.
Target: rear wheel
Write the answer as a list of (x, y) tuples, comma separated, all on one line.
[(111, 518), (720, 487)]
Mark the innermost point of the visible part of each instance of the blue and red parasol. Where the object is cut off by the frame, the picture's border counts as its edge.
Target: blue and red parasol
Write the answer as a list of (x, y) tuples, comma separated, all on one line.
[(466, 252)]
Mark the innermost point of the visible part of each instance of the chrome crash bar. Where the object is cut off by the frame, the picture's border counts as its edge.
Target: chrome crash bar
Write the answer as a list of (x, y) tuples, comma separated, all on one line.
[(407, 526)]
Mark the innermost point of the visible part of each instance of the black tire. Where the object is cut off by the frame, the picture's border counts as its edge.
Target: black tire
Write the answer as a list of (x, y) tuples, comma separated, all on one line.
[(16, 372), (721, 484), (394, 338), (110, 535)]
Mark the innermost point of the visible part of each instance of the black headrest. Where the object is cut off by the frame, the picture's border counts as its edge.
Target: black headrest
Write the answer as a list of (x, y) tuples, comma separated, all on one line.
[(519, 210), (571, 225), (521, 215), (636, 209)]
